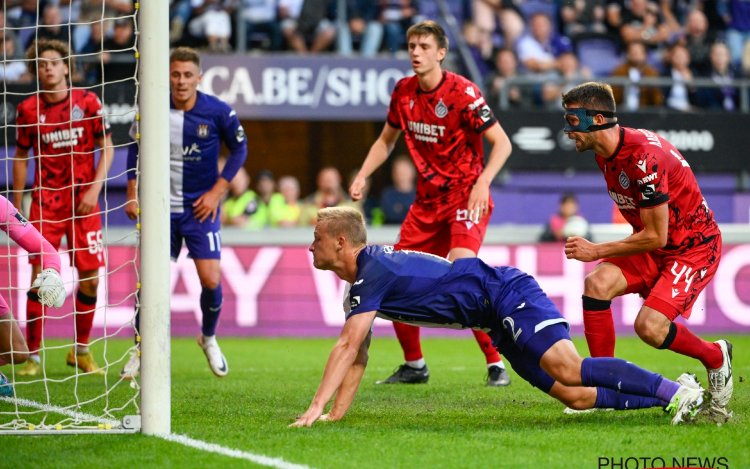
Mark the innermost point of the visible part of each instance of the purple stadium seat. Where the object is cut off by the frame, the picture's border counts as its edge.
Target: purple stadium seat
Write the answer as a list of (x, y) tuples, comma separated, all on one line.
[(599, 54)]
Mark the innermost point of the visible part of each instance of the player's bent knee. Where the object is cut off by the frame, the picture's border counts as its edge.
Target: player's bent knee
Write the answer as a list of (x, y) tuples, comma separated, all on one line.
[(594, 286)]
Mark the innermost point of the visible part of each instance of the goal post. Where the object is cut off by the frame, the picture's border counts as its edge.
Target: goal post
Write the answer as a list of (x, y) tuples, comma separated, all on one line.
[(154, 203), (59, 394)]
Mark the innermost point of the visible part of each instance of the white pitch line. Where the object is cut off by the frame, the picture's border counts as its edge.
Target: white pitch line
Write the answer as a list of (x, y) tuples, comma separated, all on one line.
[(214, 448), (181, 439), (60, 410)]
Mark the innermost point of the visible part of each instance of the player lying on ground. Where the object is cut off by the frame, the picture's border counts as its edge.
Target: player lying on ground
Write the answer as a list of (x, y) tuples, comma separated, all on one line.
[(524, 324), (48, 286)]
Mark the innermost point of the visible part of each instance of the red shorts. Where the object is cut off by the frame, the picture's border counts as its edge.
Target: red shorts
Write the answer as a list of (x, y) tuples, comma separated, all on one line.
[(438, 230), (671, 284), (84, 236)]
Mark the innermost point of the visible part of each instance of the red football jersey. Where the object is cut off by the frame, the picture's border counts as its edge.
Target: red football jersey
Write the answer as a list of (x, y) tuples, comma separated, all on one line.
[(443, 131), (645, 171), (63, 136)]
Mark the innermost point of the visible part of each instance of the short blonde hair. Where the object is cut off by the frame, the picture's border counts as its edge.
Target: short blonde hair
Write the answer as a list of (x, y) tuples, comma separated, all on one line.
[(346, 221)]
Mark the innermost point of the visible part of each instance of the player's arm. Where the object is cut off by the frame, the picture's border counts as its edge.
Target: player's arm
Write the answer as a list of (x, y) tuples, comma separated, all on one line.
[(91, 196), (20, 170), (653, 236), (131, 205), (340, 361), (233, 136), (348, 389), (378, 154), (499, 154)]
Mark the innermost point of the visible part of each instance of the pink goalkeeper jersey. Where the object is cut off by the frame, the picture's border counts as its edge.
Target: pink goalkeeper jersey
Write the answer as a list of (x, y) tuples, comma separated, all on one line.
[(26, 236)]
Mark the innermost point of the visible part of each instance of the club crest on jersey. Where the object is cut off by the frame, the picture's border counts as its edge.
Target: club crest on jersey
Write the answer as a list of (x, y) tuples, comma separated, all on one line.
[(624, 181), (77, 113), (203, 130), (441, 110)]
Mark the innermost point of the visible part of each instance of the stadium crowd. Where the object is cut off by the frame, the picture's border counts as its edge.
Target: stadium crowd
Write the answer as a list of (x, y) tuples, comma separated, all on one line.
[(552, 44)]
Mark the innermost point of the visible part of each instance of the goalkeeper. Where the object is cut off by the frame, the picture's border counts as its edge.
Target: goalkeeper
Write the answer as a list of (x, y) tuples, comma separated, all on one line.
[(48, 286)]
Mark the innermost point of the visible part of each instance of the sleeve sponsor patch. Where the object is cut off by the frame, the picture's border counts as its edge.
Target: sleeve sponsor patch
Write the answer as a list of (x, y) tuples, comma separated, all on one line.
[(21, 219), (239, 134)]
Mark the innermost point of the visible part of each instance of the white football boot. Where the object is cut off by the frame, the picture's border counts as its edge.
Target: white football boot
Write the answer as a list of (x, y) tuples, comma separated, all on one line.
[(216, 360)]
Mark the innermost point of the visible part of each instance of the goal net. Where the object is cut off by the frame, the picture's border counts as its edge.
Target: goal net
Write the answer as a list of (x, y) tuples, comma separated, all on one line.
[(104, 59)]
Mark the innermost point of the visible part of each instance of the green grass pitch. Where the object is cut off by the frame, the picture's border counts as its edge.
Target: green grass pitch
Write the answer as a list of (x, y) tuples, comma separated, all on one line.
[(454, 421)]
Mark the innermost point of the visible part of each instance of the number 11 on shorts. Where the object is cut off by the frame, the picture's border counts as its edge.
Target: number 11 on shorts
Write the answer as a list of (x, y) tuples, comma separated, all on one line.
[(214, 241)]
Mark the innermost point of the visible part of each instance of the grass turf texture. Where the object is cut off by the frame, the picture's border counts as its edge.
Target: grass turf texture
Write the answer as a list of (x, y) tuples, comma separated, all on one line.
[(454, 421)]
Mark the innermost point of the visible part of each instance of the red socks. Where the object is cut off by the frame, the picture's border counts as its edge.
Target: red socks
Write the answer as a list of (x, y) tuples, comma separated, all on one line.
[(599, 327), (485, 343), (85, 306)]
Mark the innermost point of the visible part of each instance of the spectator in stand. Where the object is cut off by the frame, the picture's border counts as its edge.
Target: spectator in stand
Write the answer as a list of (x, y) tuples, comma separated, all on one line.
[(362, 28), (613, 18), (119, 54), (91, 66), (25, 13), (643, 22), (583, 16), (52, 27), (736, 14), (698, 39), (506, 67), (681, 95), (488, 14), (305, 25), (288, 214), (726, 97), (269, 201), (180, 12), (635, 67), (396, 199), (328, 194), (397, 16), (480, 47), (240, 201), (261, 19), (566, 222), (539, 48), (12, 66), (6, 25), (746, 61), (93, 11), (212, 21), (570, 74)]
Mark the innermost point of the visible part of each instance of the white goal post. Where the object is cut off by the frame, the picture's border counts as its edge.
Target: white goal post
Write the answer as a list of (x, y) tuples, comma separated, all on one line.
[(57, 399), (154, 199)]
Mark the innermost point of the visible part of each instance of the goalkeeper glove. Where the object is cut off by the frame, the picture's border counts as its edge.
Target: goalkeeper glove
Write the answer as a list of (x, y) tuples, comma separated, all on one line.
[(50, 288)]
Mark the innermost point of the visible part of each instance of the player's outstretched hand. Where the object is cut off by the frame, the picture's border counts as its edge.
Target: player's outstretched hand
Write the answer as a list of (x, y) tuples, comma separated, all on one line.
[(307, 419), (580, 249), (50, 288), (357, 188)]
